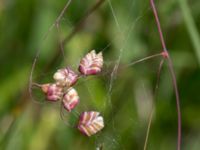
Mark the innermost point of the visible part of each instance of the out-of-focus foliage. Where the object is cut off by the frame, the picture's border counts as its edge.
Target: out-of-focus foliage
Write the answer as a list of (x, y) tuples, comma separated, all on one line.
[(126, 102)]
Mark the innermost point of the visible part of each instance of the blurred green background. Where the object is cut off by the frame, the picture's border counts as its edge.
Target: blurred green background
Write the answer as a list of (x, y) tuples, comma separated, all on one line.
[(124, 99)]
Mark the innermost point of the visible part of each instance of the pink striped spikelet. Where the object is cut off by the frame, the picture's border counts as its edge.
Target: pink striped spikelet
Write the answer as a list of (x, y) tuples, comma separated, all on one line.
[(90, 123), (91, 64), (65, 77), (53, 91), (70, 99)]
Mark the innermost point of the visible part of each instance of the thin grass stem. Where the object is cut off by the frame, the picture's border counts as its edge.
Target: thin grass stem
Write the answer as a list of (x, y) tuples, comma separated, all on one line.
[(172, 72)]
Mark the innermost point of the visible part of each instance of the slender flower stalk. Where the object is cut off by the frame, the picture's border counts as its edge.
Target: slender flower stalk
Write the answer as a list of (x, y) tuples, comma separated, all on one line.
[(152, 109), (171, 69), (145, 58)]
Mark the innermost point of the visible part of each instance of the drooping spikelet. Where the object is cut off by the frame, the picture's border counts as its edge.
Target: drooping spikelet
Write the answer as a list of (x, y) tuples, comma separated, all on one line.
[(53, 91), (65, 77), (91, 64), (90, 123), (70, 99)]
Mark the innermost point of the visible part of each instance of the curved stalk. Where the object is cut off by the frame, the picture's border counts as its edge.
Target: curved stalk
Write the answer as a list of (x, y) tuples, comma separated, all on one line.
[(172, 73)]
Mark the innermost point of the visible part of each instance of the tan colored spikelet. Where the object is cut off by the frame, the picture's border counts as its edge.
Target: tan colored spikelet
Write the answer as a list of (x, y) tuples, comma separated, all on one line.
[(90, 123), (91, 64), (70, 99), (65, 77), (52, 91)]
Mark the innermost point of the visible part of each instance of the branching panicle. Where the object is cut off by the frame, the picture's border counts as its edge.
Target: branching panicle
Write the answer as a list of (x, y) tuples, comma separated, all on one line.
[(90, 122)]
